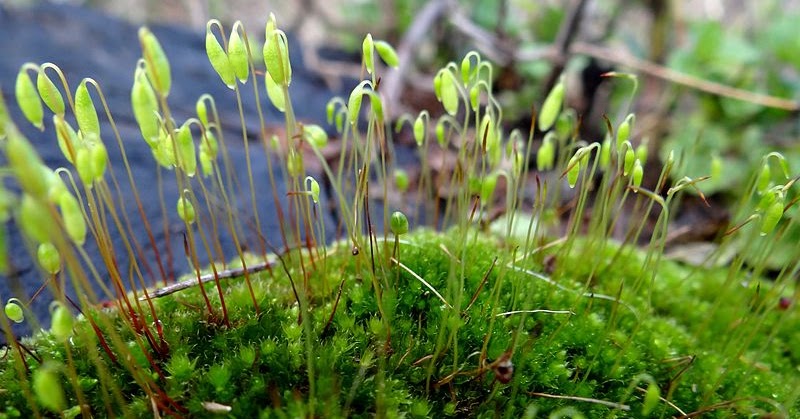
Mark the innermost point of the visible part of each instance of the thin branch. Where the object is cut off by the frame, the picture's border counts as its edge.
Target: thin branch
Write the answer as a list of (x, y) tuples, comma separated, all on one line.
[(619, 406), (226, 274)]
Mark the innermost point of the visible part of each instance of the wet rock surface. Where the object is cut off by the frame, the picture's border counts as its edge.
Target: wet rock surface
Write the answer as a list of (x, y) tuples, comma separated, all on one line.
[(84, 43)]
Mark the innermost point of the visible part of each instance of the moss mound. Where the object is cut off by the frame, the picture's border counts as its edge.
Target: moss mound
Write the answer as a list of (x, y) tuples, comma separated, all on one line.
[(500, 338)]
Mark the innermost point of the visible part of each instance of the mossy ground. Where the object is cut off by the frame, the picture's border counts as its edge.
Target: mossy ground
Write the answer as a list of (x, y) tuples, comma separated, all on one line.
[(708, 339)]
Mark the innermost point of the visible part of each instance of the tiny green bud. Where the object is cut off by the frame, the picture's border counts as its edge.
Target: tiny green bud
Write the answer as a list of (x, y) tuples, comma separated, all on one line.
[(449, 92), (202, 111), (354, 103), (330, 108), (772, 216), (187, 158), (630, 158), (74, 222), (237, 55), (440, 137), (367, 48), (158, 70), (35, 219), (50, 94), (48, 389), (315, 135), (276, 57), (206, 162), (186, 209), (419, 130), (545, 157), (764, 178), (145, 107), (398, 223), (387, 53), (401, 180), (210, 144), (605, 153), (219, 59), (275, 93), (61, 321), (85, 112), (551, 106), (99, 159), (84, 166), (49, 258), (488, 185), (313, 188), (26, 165), (651, 398), (466, 68), (474, 96), (573, 172), (28, 99), (67, 138), (637, 173), (642, 150), (625, 128), (564, 124), (294, 163), (377, 105), (14, 311)]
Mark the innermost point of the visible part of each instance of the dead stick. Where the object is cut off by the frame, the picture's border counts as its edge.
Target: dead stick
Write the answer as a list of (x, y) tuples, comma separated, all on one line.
[(226, 274)]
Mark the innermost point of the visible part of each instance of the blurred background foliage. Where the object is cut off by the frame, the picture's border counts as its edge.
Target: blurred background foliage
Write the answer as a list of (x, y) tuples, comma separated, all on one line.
[(739, 44)]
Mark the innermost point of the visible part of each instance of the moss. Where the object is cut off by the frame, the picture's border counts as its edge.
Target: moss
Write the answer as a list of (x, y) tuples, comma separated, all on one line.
[(429, 362)]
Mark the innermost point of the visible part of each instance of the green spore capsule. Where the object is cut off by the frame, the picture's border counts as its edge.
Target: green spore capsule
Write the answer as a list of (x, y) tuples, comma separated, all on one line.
[(630, 158), (573, 172), (237, 54), (387, 53), (145, 107), (367, 48), (187, 157), (772, 216), (28, 99), (419, 130), (67, 138), (74, 222), (449, 92), (552, 106), (35, 219), (401, 180), (276, 57), (202, 111), (219, 60), (545, 157), (605, 153), (14, 310), (764, 178), (398, 223), (313, 188), (652, 397), (624, 129), (50, 94), (48, 258), (26, 165), (61, 321), (637, 173), (315, 135), (85, 112), (186, 209), (83, 164), (158, 69), (48, 389), (354, 103), (275, 93)]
